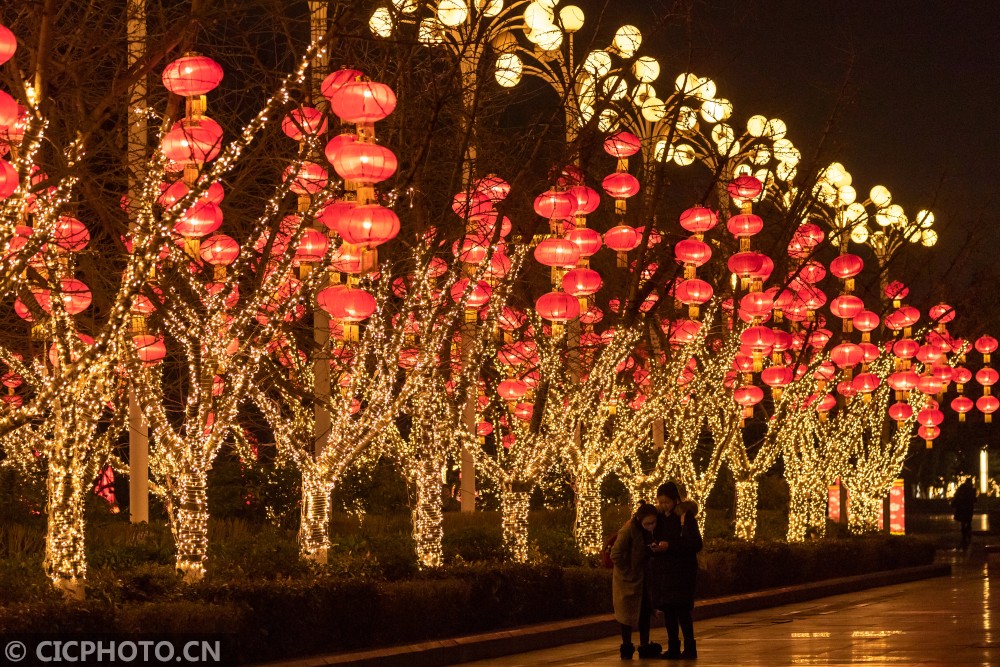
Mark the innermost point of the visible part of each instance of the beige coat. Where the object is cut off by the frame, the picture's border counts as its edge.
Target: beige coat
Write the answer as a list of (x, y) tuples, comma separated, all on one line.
[(629, 554)]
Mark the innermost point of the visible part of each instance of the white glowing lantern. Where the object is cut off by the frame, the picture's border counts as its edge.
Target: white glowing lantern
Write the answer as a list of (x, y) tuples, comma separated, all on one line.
[(785, 171), (430, 32), (641, 93), (686, 84), (660, 152), (705, 89), (760, 155), (723, 134), (928, 237), (653, 109), (880, 196), (924, 219), (846, 194), (597, 64), (381, 23), (607, 121), (684, 154), (716, 111), (855, 214), (785, 151), (615, 88), (452, 13), (571, 18), (859, 234), (537, 16), (549, 38), (835, 174), (509, 70), (646, 69), (504, 42), (627, 40), (776, 129), (405, 6), (490, 8), (756, 126), (687, 119)]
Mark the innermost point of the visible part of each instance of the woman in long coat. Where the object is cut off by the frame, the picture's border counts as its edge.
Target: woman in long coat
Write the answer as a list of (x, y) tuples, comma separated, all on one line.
[(674, 568), (629, 585)]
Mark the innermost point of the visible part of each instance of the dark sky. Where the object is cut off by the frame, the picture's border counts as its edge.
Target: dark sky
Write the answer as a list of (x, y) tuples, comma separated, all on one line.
[(921, 114)]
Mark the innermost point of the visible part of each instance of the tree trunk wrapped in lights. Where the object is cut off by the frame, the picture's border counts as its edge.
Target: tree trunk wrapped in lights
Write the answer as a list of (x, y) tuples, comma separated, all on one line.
[(428, 514), (191, 522), (314, 526), (65, 561), (514, 505), (588, 526), (746, 508)]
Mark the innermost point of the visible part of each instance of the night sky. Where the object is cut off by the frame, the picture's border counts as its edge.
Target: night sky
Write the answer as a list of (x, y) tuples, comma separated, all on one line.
[(915, 86)]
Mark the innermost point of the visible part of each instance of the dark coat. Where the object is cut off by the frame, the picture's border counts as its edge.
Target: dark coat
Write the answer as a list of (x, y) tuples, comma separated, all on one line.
[(964, 502), (674, 572), (630, 554)]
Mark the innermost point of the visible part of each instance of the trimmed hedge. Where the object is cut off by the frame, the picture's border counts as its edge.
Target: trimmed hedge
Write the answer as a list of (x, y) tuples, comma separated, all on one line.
[(280, 618)]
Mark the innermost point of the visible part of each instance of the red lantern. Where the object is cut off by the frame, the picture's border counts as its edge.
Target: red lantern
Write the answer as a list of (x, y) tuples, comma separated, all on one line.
[(866, 321), (493, 187), (311, 178), (846, 266), (896, 290), (942, 313), (302, 122), (71, 235), (745, 225), (962, 405), (777, 376), (693, 252), (745, 188), (900, 412), (557, 252), (684, 331), (928, 433), (558, 307), (698, 220), (748, 395), (335, 214), (9, 180), (581, 282), (471, 249), (928, 354), (8, 44), (192, 75), (986, 345), (622, 238), (988, 405), (693, 292), (745, 264), (220, 250), (847, 306), (76, 296), (337, 144), (178, 189), (512, 390), (866, 383), (556, 205), (369, 225), (151, 349), (478, 297), (362, 101), (200, 220), (621, 185), (586, 239), (929, 385), (364, 162), (193, 141), (347, 304), (622, 144), (932, 417), (337, 80), (987, 376), (312, 247), (587, 199), (846, 355), (8, 111)]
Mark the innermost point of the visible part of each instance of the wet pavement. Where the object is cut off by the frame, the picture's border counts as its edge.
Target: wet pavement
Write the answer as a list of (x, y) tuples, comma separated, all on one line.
[(943, 621)]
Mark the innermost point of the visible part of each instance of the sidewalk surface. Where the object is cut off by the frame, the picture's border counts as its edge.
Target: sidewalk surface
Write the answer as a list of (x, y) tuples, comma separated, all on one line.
[(942, 621)]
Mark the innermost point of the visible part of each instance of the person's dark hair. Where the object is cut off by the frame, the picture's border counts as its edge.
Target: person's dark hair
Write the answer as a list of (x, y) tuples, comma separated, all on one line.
[(670, 490), (644, 510)]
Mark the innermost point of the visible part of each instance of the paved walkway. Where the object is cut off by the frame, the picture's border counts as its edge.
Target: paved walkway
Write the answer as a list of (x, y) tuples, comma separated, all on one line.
[(943, 621)]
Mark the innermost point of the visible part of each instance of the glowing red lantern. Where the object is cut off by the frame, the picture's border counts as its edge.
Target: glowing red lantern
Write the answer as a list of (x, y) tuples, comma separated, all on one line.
[(587, 199), (931, 417), (347, 304), (9, 179), (987, 376), (193, 141), (988, 405), (866, 321), (71, 235), (76, 296), (846, 266), (693, 252), (698, 219), (302, 122), (985, 345), (622, 144), (693, 292), (745, 225), (942, 313), (557, 252), (220, 250), (745, 264), (337, 80), (493, 187), (556, 205), (586, 239), (363, 162), (312, 247), (192, 75), (620, 185), (745, 188), (362, 101), (8, 44), (905, 348), (622, 238), (900, 412), (335, 214), (478, 297), (929, 385), (777, 376), (847, 306), (846, 355), (310, 179), (200, 220), (151, 349), (581, 282), (866, 383), (8, 110), (369, 225), (558, 307), (962, 405), (512, 390)]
